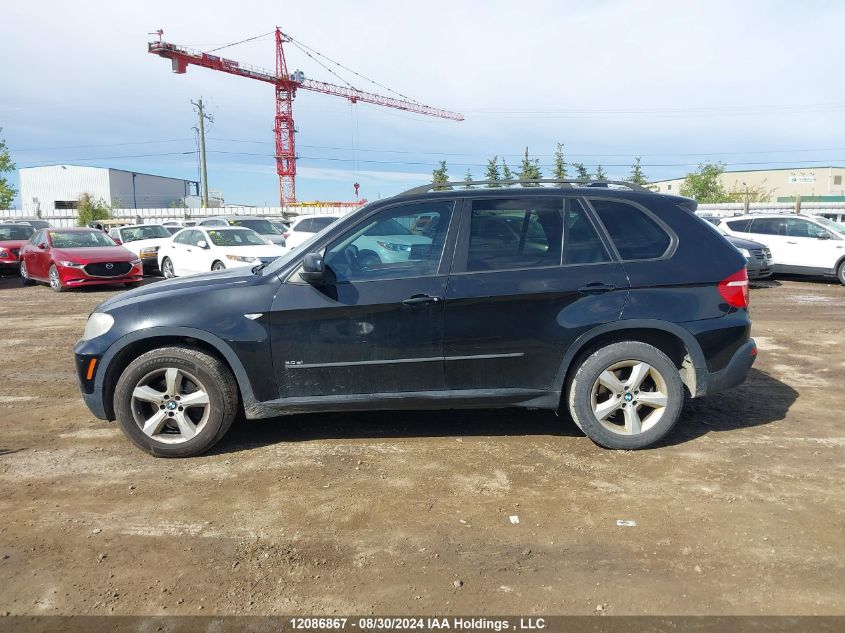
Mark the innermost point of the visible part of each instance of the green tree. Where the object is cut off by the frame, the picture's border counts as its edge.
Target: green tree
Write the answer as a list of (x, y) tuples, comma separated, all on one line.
[(439, 175), (7, 191), (704, 184), (559, 164), (530, 169), (492, 172), (91, 209), (468, 179), (637, 175), (507, 174), (581, 171), (600, 175)]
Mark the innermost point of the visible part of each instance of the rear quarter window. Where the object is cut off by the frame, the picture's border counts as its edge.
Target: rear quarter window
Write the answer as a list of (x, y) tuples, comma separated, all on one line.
[(634, 233), (740, 226)]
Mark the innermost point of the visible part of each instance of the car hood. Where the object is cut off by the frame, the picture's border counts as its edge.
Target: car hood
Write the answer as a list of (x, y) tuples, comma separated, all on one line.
[(136, 245), (180, 287), (12, 243), (746, 244), (270, 250), (94, 254)]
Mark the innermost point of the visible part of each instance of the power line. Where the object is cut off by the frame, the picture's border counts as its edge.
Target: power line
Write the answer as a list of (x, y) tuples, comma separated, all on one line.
[(249, 39), (47, 149)]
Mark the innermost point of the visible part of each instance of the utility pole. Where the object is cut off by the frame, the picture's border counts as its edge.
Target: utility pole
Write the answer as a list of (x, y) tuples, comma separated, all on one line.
[(201, 131)]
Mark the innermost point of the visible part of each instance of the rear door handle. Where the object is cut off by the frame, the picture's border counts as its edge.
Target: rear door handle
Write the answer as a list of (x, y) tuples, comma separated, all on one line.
[(420, 300), (596, 288)]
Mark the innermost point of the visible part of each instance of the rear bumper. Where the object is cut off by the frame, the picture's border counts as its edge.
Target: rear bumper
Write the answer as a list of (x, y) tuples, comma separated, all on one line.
[(735, 371)]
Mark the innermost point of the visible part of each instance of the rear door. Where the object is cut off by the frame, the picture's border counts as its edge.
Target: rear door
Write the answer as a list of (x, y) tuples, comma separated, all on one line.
[(530, 275), (772, 233)]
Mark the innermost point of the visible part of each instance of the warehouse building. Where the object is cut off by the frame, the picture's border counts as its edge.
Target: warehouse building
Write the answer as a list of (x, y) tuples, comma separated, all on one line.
[(812, 184), (51, 188)]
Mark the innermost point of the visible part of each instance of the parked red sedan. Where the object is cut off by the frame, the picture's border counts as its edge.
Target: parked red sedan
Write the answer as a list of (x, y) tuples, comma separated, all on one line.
[(12, 238), (66, 258)]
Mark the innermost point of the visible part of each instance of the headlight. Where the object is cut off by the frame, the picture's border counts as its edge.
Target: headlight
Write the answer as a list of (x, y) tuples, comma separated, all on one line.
[(72, 264), (4, 252), (745, 253), (98, 324), (149, 251), (238, 258), (393, 246), (135, 262)]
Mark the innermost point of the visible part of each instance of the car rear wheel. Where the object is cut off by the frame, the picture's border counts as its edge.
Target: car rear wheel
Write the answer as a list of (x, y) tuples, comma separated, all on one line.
[(627, 395), (167, 268), (176, 401), (55, 279), (25, 278), (218, 265), (841, 272)]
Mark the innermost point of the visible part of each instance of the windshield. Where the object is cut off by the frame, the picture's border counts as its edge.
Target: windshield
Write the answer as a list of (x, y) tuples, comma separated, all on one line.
[(15, 232), (135, 233), (830, 224), (259, 225), (80, 239), (237, 237)]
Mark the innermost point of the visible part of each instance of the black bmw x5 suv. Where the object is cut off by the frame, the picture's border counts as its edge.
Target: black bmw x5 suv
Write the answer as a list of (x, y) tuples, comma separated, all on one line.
[(603, 300)]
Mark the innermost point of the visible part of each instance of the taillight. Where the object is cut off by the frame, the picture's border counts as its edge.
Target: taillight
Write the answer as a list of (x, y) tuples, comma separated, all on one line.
[(286, 234), (734, 289)]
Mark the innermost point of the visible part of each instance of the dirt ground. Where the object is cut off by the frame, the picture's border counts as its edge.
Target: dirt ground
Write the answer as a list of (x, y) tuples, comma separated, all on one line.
[(740, 511)]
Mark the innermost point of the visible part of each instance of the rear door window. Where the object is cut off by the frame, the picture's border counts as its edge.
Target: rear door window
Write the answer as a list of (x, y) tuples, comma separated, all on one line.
[(768, 226), (514, 233), (634, 233)]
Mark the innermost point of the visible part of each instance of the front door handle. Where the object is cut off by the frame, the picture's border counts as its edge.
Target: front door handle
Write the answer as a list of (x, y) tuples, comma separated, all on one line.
[(788, 242), (420, 300), (596, 288)]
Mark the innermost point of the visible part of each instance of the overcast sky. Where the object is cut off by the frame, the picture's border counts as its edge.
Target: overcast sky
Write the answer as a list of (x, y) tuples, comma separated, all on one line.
[(754, 84)]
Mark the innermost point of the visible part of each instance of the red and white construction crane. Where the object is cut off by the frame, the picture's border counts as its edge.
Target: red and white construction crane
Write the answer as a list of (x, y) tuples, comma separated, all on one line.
[(286, 85)]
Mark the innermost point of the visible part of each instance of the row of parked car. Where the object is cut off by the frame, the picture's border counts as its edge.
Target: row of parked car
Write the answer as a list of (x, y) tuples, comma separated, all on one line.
[(787, 243), (797, 244), (71, 257)]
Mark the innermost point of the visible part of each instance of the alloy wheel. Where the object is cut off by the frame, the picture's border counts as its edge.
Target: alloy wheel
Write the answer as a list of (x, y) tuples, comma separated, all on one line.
[(629, 397), (167, 269), (170, 405), (55, 282), (24, 274)]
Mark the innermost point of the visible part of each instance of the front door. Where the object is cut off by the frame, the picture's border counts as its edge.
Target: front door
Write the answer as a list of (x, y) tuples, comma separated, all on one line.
[(376, 325), (38, 264), (530, 275), (811, 245)]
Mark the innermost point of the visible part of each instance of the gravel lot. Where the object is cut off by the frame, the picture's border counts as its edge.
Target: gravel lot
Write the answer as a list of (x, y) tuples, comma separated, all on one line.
[(740, 511)]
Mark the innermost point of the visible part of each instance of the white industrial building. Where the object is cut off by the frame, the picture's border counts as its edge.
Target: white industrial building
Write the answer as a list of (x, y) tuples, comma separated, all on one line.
[(45, 190)]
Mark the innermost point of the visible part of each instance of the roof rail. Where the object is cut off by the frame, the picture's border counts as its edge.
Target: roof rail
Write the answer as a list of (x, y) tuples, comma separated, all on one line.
[(463, 184)]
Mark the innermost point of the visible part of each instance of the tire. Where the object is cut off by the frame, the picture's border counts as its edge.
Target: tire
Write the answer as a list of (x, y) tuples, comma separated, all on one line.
[(55, 279), (628, 422), (25, 279), (218, 265), (132, 284), (167, 268), (193, 373), (840, 272)]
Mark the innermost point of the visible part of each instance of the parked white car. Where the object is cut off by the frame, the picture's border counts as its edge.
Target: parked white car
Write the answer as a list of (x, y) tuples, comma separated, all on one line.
[(144, 240), (304, 227), (201, 249), (800, 244)]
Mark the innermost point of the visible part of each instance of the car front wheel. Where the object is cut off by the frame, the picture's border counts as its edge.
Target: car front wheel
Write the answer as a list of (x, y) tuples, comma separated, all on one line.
[(55, 279), (167, 268), (841, 273), (627, 395), (176, 401), (25, 278), (218, 265)]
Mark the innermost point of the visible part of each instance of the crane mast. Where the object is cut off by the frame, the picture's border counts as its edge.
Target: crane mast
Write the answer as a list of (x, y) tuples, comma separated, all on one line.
[(286, 84)]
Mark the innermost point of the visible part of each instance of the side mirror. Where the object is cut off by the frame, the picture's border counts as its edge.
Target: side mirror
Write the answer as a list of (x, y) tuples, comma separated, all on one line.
[(43, 246), (202, 244), (313, 268), (823, 236), (117, 241)]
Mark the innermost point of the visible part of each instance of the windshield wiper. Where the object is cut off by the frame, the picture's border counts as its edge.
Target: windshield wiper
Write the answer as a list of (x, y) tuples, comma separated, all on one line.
[(257, 269)]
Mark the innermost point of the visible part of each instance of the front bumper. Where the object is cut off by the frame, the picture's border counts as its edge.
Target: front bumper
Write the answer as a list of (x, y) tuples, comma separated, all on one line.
[(735, 372), (75, 277)]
